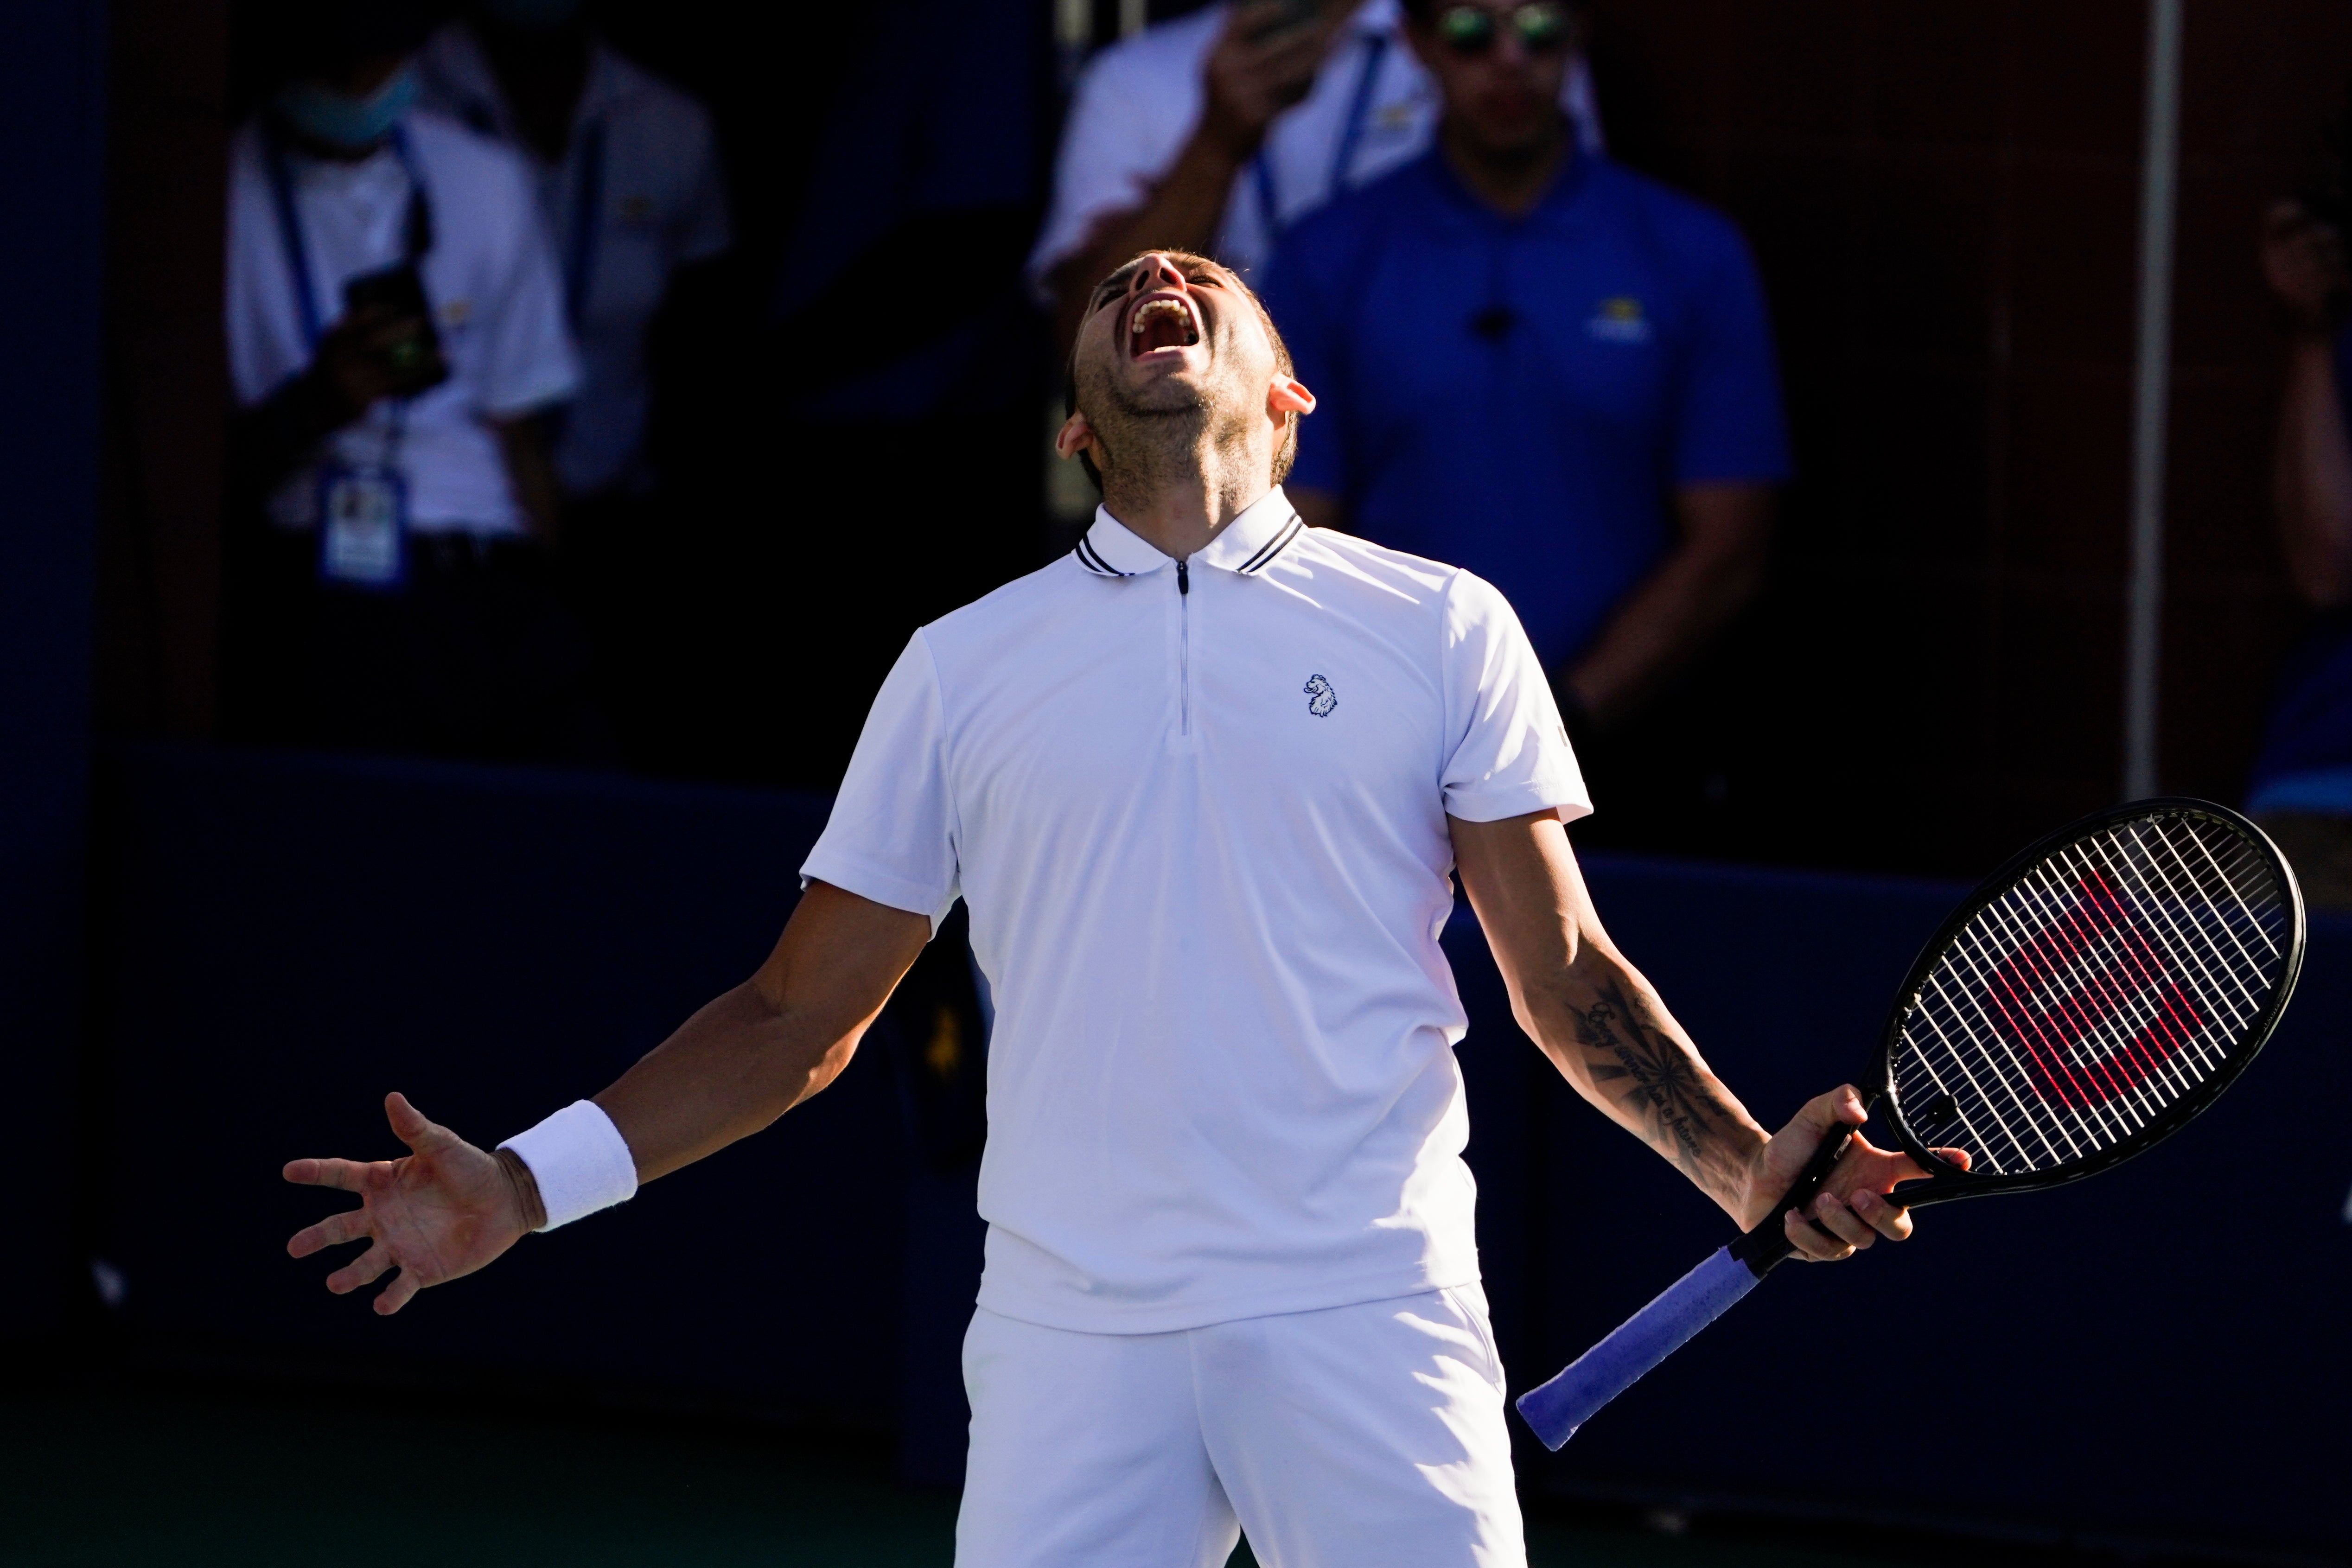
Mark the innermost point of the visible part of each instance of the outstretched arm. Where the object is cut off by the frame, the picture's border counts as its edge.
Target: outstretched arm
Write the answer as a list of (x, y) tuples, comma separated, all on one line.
[(448, 1207), (1604, 1027), (772, 1042)]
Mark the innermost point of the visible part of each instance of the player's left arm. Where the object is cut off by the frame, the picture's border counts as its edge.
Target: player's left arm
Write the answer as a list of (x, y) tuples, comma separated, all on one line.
[(1605, 1028)]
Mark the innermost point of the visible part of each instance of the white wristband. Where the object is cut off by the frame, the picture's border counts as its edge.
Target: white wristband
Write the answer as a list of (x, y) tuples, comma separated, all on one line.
[(580, 1161)]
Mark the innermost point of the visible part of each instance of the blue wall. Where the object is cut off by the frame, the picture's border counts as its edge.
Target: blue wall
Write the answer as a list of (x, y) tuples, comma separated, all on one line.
[(52, 70), (2160, 1352), (286, 940)]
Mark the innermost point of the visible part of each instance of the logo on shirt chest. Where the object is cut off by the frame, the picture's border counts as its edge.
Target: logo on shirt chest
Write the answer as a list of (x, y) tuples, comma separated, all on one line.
[(1320, 697), (1619, 319)]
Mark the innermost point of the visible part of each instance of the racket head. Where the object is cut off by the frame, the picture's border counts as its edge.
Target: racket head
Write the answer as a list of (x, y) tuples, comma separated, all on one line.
[(2113, 978)]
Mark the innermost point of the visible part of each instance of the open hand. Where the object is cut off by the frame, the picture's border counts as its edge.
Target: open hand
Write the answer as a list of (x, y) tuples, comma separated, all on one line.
[(1851, 1210), (444, 1210)]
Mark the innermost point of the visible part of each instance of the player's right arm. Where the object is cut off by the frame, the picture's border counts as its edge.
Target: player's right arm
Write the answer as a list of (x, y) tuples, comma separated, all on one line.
[(1605, 1028), (448, 1207)]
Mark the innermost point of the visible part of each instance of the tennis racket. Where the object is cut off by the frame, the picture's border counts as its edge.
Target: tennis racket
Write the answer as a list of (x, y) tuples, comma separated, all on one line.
[(2088, 1000)]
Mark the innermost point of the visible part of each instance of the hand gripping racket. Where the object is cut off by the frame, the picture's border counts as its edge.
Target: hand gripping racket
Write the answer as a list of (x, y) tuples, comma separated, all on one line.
[(2089, 999)]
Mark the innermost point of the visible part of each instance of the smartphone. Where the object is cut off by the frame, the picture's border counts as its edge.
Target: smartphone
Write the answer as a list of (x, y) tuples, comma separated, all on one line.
[(414, 356)]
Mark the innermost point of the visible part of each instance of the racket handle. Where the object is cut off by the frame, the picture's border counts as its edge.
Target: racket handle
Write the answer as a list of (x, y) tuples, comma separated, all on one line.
[(1557, 1409)]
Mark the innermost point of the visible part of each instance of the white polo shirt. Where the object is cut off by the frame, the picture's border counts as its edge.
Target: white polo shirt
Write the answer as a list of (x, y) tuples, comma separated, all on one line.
[(489, 276), (638, 193), (1199, 815), (1136, 104)]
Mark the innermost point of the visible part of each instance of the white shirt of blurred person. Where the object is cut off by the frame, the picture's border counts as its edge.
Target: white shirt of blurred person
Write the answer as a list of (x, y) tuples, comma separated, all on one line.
[(626, 173), (489, 274), (1210, 133)]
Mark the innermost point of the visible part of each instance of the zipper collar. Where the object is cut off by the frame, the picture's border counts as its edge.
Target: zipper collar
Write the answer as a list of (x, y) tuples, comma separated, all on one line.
[(1247, 545)]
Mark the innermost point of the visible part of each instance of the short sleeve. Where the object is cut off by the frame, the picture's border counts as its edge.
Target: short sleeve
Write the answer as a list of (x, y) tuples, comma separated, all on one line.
[(529, 362), (1728, 426), (1302, 313), (892, 835), (1508, 753)]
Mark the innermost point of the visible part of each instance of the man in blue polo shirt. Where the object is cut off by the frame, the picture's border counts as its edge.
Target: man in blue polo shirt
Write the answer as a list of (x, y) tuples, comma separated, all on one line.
[(1541, 365)]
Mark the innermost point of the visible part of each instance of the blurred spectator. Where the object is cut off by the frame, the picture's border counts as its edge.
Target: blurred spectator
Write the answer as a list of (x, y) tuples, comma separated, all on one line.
[(628, 179), (627, 170), (395, 330), (1216, 131), (1544, 368), (2302, 783)]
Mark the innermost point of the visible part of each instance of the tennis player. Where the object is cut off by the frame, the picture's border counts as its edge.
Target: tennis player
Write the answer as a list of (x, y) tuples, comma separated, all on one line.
[(1202, 784)]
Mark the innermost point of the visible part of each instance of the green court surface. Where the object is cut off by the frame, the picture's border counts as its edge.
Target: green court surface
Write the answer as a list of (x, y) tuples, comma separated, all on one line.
[(163, 1479)]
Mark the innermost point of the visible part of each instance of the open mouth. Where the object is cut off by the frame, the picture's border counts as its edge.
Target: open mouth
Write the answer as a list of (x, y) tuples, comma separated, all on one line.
[(1166, 323)]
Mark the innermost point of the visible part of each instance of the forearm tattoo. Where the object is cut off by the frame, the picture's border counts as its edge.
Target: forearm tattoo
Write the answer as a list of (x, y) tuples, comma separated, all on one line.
[(1664, 1090)]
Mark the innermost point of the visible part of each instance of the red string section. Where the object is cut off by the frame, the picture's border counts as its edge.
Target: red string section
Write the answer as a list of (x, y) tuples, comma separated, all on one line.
[(2096, 1008)]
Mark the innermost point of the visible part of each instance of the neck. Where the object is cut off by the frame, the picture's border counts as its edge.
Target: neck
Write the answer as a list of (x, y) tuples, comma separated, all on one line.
[(1509, 180), (1179, 506)]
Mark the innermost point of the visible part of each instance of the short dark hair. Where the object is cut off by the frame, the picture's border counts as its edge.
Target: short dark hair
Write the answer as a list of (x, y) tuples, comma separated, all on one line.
[(1282, 359)]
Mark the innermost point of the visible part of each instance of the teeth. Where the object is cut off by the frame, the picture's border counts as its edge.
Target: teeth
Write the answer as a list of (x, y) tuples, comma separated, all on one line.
[(1155, 308)]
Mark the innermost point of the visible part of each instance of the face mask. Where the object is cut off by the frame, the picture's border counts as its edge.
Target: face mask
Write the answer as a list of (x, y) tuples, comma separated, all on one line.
[(342, 120), (533, 16)]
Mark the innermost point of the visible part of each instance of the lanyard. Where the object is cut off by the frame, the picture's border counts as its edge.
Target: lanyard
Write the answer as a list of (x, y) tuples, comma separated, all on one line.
[(1351, 132), (587, 214), (417, 239)]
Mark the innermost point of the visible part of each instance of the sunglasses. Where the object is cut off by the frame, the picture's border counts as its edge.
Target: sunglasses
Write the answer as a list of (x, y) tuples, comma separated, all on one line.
[(1469, 31)]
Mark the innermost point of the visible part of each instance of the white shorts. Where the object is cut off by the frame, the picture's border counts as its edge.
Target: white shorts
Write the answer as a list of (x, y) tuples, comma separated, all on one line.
[(1359, 1436)]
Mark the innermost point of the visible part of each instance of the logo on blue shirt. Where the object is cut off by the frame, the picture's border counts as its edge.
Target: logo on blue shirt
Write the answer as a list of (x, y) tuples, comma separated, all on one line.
[(1619, 319), (1322, 698)]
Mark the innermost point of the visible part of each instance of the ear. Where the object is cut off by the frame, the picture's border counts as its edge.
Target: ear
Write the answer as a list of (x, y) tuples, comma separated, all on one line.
[(1075, 436), (1289, 397)]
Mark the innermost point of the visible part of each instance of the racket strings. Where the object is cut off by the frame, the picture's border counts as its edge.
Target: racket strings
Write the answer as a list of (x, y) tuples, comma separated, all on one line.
[(2110, 981)]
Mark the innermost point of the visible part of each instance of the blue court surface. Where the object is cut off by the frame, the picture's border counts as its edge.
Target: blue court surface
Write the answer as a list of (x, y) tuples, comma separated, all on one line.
[(199, 1478)]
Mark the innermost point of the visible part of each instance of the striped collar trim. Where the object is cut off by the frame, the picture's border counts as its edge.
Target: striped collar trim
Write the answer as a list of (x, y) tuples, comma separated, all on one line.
[(1085, 550), (1264, 555), (1248, 545)]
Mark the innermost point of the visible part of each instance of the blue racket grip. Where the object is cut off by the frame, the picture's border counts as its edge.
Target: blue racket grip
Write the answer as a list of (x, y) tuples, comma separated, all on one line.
[(1557, 1409)]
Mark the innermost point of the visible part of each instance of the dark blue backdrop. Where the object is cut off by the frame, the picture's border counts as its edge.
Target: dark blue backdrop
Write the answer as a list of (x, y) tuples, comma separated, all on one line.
[(52, 121), (2156, 1354)]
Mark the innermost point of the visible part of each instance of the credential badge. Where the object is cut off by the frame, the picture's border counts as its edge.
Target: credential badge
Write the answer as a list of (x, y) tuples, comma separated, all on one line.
[(1321, 699)]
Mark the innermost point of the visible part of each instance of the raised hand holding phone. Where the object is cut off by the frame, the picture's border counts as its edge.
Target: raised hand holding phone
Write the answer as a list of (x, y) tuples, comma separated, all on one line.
[(1264, 62)]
